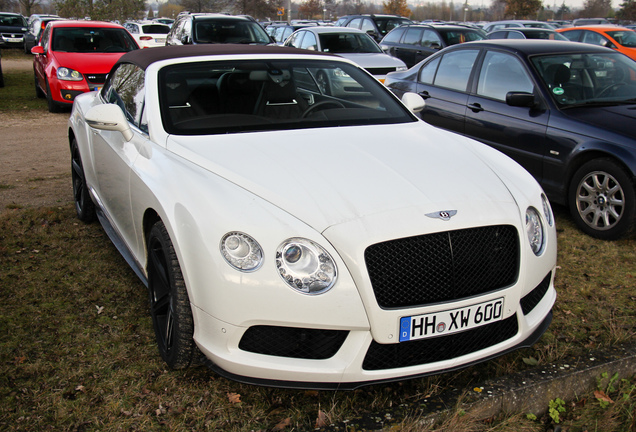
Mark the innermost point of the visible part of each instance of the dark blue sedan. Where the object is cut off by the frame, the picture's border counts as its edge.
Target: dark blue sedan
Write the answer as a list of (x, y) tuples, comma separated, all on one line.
[(565, 111)]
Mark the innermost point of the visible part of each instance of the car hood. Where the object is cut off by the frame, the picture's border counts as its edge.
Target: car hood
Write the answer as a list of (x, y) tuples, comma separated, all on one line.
[(330, 176), (88, 62), (617, 119), (373, 60)]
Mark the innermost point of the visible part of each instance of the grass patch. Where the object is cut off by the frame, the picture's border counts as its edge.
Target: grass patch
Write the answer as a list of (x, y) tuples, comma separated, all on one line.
[(18, 93), (78, 350)]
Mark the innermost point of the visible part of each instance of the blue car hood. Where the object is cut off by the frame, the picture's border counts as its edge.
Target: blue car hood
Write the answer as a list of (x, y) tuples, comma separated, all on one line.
[(619, 119)]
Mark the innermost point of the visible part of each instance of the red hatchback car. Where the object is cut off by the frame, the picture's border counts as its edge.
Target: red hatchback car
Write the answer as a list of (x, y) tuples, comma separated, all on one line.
[(74, 57)]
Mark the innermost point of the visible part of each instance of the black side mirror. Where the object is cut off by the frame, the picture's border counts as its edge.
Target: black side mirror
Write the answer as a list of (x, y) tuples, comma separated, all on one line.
[(521, 99)]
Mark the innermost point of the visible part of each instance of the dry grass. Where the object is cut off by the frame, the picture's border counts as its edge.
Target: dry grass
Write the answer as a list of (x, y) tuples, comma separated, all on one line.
[(78, 351)]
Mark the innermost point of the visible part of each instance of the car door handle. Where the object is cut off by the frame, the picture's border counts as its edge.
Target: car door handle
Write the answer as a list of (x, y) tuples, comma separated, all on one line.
[(475, 107), (424, 94)]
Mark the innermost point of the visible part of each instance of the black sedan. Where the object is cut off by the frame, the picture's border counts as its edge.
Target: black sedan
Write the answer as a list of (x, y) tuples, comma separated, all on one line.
[(566, 112)]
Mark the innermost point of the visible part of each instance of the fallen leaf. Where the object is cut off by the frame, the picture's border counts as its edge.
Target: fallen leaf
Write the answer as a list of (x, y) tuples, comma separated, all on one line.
[(283, 424), (602, 396), (312, 393), (530, 361), (234, 398), (321, 420), (100, 309), (80, 388)]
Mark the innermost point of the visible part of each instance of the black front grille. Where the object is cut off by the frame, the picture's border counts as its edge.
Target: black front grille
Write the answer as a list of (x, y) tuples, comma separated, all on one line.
[(380, 71), (443, 266), (293, 342), (532, 299), (439, 348), (96, 78)]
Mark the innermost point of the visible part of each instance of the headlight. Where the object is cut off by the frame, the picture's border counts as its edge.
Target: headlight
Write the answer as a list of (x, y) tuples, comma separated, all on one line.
[(534, 229), (401, 68), (241, 251), (340, 73), (305, 266), (67, 74), (547, 210)]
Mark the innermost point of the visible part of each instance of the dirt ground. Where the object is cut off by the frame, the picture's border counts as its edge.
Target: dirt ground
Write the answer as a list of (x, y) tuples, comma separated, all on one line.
[(35, 161)]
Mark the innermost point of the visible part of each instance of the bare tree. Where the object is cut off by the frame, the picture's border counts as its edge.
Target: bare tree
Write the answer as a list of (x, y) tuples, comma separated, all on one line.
[(596, 8)]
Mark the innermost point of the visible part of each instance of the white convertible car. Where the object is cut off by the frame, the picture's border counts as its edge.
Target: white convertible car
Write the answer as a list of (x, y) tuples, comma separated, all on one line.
[(296, 239)]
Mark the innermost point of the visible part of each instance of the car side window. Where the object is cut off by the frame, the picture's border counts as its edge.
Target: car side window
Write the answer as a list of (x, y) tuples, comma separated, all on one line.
[(454, 69), (427, 73), (296, 39), (309, 42), (431, 39), (367, 25), (125, 88), (355, 23), (502, 34), (500, 74), (45, 38), (394, 36), (413, 36), (595, 38), (515, 35), (573, 35)]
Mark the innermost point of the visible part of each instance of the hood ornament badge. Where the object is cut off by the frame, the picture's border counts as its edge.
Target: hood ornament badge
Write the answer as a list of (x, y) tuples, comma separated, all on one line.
[(443, 215)]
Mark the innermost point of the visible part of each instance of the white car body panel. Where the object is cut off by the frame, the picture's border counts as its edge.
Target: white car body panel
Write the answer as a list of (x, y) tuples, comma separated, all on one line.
[(327, 185)]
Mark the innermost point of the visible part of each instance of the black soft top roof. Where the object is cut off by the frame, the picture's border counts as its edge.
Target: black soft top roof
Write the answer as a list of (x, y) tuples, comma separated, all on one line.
[(145, 57)]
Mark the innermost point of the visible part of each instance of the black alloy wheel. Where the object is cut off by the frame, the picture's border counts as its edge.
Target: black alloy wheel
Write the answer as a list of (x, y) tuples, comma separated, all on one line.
[(53, 106), (169, 302), (84, 206), (602, 199)]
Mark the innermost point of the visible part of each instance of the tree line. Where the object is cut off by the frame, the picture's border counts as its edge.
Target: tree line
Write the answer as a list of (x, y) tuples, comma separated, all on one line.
[(121, 10)]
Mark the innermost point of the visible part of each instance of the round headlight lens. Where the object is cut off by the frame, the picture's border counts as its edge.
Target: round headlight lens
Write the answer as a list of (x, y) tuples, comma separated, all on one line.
[(547, 210), (69, 74), (305, 266), (534, 230), (241, 251)]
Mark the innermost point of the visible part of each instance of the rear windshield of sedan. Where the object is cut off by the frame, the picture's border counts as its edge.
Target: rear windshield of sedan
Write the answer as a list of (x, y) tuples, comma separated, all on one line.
[(239, 96), (220, 30), (92, 40), (155, 29), (338, 43)]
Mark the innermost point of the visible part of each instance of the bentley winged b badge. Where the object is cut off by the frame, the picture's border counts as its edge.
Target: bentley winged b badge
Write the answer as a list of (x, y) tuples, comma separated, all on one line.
[(443, 215)]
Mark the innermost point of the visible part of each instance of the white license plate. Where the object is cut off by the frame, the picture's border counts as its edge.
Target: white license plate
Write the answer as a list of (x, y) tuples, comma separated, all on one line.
[(450, 321), (14, 40), (160, 40)]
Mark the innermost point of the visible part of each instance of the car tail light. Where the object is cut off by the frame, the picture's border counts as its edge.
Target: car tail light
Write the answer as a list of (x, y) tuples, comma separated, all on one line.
[(145, 38)]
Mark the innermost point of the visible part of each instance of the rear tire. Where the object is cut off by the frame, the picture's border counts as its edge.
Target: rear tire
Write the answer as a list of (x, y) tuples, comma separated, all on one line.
[(84, 206), (169, 302), (602, 199)]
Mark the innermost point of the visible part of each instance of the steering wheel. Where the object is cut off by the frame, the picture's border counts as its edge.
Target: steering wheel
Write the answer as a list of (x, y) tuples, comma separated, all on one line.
[(313, 107), (612, 87)]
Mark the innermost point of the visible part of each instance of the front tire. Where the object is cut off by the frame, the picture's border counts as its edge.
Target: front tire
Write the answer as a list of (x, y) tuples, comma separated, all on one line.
[(602, 199), (53, 106), (169, 302), (38, 91), (84, 206)]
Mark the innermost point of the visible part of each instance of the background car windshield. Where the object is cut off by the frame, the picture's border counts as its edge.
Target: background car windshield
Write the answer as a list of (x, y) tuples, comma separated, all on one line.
[(241, 96), (94, 40), (625, 38), (579, 79), (229, 31), (348, 43), (155, 29), (453, 37), (12, 21)]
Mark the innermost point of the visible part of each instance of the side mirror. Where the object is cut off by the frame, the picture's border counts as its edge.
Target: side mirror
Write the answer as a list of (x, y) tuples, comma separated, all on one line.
[(38, 49), (436, 46), (185, 39), (109, 117), (413, 101), (520, 99)]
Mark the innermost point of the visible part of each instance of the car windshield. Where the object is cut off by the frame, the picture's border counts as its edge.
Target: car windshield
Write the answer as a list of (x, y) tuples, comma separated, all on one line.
[(452, 37), (155, 29), (242, 96), (385, 25), (627, 38), (92, 40), (340, 43), (12, 21), (587, 79), (229, 31)]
